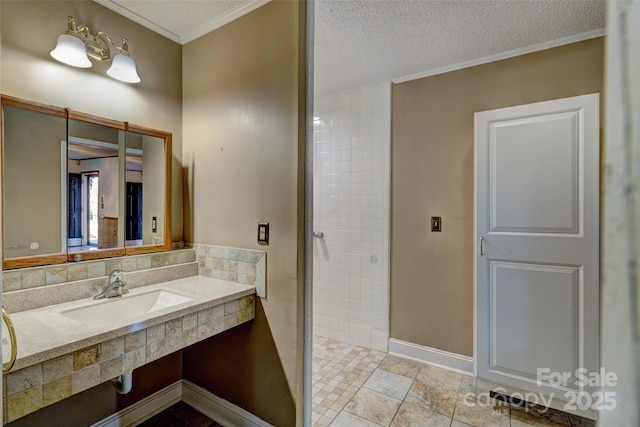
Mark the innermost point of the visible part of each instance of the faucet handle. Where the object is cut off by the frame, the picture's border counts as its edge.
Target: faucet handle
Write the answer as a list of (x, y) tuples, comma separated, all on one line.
[(116, 275), (120, 286)]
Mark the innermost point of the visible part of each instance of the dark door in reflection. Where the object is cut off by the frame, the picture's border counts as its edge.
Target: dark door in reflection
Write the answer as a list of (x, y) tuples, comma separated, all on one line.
[(133, 220), (75, 210)]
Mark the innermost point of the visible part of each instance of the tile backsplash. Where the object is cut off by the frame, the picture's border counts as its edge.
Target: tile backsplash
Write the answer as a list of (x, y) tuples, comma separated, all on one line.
[(33, 287), (237, 265), (33, 277)]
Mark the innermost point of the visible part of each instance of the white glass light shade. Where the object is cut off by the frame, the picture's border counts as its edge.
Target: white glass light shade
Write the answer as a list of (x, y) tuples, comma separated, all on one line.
[(70, 50), (123, 68)]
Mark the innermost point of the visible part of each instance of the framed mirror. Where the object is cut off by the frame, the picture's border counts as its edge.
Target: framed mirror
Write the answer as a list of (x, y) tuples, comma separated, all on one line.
[(80, 187)]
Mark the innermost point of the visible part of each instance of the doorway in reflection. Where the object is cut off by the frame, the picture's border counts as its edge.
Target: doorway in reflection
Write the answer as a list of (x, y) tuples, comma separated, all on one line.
[(96, 161), (75, 210), (85, 211), (93, 209)]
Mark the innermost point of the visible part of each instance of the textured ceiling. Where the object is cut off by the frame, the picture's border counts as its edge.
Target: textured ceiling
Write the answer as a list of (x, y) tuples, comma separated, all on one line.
[(367, 41), (359, 42)]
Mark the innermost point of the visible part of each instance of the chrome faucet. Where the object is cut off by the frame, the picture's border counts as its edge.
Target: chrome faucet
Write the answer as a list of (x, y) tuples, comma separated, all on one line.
[(115, 286)]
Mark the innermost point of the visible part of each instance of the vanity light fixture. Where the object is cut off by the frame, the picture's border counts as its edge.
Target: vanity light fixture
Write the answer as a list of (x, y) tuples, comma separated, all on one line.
[(77, 45)]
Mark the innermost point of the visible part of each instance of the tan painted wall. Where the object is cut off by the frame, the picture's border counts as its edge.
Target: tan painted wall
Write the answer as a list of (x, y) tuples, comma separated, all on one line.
[(432, 175), (241, 143), (29, 32)]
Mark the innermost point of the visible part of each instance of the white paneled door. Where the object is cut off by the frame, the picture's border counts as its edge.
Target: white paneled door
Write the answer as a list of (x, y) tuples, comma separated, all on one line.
[(536, 252)]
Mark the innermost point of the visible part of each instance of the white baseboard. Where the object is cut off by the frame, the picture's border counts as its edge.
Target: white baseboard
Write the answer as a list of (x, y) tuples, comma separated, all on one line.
[(214, 407), (218, 409), (144, 409), (431, 356)]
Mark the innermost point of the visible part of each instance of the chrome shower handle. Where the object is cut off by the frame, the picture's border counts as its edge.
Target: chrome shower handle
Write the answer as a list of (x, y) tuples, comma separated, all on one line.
[(318, 234)]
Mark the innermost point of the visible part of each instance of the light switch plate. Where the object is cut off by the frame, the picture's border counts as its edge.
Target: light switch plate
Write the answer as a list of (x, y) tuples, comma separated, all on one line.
[(263, 233), (436, 223)]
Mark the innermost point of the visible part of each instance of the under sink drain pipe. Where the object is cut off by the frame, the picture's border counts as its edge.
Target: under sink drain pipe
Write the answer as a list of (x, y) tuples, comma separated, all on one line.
[(123, 383)]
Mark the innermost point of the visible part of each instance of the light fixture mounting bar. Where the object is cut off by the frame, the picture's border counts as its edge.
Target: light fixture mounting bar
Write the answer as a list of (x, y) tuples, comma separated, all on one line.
[(97, 45), (78, 45)]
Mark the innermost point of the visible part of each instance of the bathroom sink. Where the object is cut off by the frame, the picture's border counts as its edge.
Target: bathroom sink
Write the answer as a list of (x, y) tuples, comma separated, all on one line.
[(122, 308)]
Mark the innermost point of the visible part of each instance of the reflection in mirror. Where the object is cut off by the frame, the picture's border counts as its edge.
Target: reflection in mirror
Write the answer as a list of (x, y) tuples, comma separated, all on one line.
[(33, 183), (71, 194), (145, 190), (93, 187)]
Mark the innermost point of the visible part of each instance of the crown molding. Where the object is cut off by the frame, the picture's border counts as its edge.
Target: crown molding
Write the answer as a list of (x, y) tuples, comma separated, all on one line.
[(223, 20), (504, 55), (192, 34), (121, 10)]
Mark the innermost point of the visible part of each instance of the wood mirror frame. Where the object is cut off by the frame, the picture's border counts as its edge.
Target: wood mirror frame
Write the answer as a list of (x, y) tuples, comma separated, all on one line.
[(62, 257)]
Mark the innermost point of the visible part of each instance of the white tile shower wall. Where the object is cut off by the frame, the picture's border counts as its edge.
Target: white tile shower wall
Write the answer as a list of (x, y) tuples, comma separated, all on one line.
[(352, 140)]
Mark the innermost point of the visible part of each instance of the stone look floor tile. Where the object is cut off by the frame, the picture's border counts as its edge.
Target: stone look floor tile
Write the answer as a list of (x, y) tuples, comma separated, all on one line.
[(338, 372), (434, 397), (388, 383), (373, 406), (410, 415), (482, 413), (440, 377), (345, 419), (325, 421), (397, 365), (467, 387)]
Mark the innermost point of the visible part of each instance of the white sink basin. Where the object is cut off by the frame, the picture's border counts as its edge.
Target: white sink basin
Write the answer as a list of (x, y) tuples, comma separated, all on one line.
[(121, 308)]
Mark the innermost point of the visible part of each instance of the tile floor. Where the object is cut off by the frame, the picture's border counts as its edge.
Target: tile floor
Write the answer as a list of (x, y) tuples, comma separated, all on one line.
[(179, 415), (359, 387)]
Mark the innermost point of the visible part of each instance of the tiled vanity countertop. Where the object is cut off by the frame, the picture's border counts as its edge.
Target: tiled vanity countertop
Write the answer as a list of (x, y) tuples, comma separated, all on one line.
[(45, 333)]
